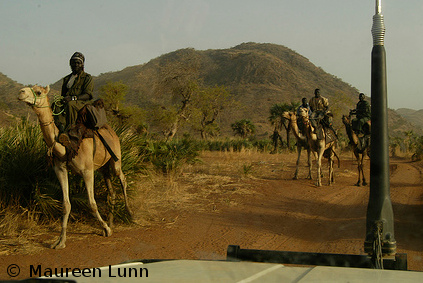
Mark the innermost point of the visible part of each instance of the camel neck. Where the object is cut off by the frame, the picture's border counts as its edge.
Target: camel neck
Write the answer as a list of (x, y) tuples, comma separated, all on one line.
[(351, 135), (49, 130), (308, 129), (295, 129)]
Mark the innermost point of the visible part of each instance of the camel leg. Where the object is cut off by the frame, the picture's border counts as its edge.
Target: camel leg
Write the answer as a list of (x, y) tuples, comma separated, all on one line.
[(298, 162), (319, 169), (362, 171), (330, 163), (124, 186), (62, 175), (117, 170), (359, 173), (309, 163), (364, 182), (88, 176), (111, 196), (359, 168)]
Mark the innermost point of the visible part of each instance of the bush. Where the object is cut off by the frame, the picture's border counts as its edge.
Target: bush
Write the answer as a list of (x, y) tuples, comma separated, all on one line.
[(168, 156), (24, 171), (29, 181), (238, 145)]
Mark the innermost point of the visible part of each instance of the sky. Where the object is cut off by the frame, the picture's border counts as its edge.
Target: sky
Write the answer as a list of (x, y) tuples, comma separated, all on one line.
[(38, 37)]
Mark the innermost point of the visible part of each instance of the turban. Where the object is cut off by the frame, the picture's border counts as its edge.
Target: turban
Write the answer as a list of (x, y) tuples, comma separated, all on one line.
[(78, 56)]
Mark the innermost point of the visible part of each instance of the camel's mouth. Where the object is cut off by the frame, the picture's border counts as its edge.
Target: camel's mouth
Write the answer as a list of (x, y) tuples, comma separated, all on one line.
[(23, 99), (22, 95)]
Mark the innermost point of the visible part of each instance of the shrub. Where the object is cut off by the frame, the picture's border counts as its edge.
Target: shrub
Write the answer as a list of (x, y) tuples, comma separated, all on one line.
[(168, 156), (28, 180)]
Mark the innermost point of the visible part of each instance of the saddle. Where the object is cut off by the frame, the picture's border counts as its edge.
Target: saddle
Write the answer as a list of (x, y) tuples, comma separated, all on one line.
[(323, 128), (90, 118), (330, 135)]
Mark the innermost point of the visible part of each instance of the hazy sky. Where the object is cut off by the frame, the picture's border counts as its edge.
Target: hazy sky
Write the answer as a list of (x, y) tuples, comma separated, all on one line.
[(38, 37)]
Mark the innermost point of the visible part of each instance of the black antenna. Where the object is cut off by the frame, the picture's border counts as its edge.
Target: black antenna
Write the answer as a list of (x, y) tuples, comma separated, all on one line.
[(380, 241)]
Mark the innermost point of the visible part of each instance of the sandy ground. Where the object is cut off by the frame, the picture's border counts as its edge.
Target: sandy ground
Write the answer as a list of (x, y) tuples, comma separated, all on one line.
[(271, 212)]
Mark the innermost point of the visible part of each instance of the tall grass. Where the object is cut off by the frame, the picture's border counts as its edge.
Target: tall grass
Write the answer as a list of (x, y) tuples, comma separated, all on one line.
[(28, 182), (24, 173), (237, 145), (169, 156)]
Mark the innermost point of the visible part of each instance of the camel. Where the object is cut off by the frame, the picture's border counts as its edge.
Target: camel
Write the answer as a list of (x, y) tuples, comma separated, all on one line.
[(320, 148), (301, 143), (89, 158), (359, 153)]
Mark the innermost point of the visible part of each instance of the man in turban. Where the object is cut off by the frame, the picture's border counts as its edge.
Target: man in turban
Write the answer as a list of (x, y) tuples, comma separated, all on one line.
[(77, 91), (319, 107), (362, 112)]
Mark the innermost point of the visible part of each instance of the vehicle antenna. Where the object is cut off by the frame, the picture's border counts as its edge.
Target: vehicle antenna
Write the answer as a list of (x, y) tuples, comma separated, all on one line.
[(380, 241)]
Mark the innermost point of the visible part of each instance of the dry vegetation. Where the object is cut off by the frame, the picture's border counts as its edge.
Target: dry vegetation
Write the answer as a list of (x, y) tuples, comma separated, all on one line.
[(222, 173), (205, 185)]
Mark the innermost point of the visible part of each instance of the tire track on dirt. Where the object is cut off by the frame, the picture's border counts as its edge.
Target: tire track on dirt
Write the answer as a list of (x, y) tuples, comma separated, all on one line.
[(313, 216), (406, 195)]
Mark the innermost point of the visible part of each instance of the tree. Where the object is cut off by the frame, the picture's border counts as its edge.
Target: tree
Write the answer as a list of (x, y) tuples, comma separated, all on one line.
[(243, 128), (113, 94), (410, 140), (418, 149), (277, 120), (395, 143), (180, 79), (209, 103)]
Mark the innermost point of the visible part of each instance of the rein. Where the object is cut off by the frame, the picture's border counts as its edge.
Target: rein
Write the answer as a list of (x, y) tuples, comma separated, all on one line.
[(35, 99), (46, 124), (57, 99)]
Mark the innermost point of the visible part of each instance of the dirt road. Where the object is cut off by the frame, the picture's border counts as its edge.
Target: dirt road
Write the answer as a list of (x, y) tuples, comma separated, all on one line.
[(272, 212)]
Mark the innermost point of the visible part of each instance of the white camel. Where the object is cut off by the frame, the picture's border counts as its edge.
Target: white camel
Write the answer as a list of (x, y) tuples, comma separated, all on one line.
[(301, 143), (89, 158), (320, 148)]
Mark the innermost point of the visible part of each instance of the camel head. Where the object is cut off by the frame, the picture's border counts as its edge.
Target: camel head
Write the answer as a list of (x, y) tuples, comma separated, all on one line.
[(302, 113), (346, 120), (290, 116), (305, 119), (34, 96)]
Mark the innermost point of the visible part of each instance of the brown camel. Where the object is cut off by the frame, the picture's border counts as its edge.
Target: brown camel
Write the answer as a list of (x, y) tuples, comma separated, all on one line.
[(358, 150), (89, 158), (301, 143), (320, 148)]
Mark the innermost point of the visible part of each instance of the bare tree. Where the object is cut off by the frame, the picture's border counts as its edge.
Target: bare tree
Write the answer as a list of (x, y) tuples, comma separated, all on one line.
[(178, 78), (209, 103)]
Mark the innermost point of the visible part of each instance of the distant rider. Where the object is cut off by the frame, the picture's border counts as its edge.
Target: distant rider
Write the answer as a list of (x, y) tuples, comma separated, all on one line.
[(319, 108), (362, 112), (301, 110)]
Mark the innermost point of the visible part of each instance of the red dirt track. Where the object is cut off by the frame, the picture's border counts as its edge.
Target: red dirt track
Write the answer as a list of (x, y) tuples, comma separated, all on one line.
[(272, 212)]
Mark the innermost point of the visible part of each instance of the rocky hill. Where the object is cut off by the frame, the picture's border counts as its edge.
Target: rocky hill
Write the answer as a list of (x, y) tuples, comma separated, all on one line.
[(258, 76), (415, 117), (10, 109)]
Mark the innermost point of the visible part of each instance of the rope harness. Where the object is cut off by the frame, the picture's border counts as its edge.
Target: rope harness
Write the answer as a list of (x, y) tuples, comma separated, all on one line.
[(57, 102), (46, 124)]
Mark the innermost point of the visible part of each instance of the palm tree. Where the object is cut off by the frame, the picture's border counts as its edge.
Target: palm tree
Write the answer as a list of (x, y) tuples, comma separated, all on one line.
[(243, 128), (277, 120), (410, 140), (394, 143)]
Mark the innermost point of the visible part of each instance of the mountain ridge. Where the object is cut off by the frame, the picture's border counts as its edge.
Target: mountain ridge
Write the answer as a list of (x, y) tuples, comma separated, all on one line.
[(257, 74)]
